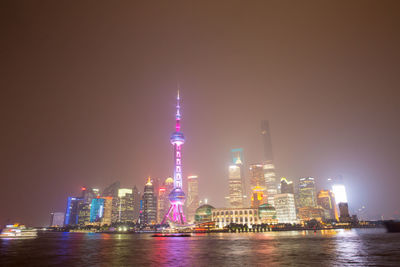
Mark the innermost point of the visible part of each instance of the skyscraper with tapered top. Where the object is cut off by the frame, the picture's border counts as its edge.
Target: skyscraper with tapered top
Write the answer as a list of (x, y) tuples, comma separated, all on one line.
[(237, 188), (177, 196), (268, 166), (257, 185), (149, 204)]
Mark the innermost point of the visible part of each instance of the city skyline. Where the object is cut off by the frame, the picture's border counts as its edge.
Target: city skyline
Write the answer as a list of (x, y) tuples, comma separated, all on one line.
[(86, 101)]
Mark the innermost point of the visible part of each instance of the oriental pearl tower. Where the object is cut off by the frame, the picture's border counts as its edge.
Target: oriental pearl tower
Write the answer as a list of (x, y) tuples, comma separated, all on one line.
[(177, 196)]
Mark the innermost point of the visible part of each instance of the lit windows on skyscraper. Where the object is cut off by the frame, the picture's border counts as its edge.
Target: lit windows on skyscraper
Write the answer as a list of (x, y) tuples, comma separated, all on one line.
[(97, 209), (269, 168), (83, 213), (149, 204), (163, 202), (286, 186), (125, 205), (235, 186), (326, 200), (257, 185), (307, 192), (344, 212), (192, 202), (270, 182), (72, 211), (285, 208)]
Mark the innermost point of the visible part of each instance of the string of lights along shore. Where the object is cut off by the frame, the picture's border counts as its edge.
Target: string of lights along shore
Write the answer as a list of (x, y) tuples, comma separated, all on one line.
[(255, 196)]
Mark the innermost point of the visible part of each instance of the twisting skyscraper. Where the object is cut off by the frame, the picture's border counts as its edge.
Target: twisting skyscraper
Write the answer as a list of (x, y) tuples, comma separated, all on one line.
[(177, 196)]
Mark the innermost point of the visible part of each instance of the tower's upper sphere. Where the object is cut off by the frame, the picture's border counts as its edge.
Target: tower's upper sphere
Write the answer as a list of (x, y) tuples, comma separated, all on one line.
[(177, 137), (177, 195)]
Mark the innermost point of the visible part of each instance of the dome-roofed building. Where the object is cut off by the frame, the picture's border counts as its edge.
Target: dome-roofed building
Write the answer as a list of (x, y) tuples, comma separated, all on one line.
[(169, 181), (203, 213), (267, 214)]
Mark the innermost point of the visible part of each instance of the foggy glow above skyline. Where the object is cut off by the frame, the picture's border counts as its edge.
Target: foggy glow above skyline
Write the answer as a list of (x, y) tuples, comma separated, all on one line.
[(339, 191)]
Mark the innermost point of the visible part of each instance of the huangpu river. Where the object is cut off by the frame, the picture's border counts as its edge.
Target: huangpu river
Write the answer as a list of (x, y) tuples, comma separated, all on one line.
[(356, 247)]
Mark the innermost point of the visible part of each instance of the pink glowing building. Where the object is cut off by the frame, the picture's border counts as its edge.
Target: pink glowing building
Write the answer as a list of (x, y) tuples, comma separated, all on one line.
[(177, 196)]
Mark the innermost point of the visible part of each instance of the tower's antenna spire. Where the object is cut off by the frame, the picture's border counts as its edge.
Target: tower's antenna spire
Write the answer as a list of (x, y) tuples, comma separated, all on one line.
[(178, 112)]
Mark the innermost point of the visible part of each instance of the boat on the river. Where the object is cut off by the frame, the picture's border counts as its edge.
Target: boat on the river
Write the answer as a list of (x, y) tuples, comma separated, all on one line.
[(172, 235), (17, 231), (392, 226)]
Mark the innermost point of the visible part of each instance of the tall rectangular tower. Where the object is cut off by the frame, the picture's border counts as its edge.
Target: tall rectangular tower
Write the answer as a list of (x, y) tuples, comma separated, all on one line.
[(269, 167), (192, 202), (307, 192), (149, 204), (237, 186), (257, 185)]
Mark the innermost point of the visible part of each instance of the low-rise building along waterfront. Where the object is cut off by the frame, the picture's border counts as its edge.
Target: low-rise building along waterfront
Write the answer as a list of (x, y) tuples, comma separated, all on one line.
[(225, 216)]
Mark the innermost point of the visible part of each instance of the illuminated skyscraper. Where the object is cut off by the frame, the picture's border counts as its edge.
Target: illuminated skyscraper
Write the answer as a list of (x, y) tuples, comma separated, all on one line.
[(237, 156), (307, 192), (83, 213), (163, 198), (236, 188), (72, 211), (344, 212), (339, 190), (340, 193), (285, 208), (136, 203), (112, 191), (125, 205), (287, 187), (149, 204), (193, 197), (269, 167), (97, 210), (326, 200), (270, 182), (100, 210), (257, 185), (177, 196), (162, 203), (88, 194), (108, 208)]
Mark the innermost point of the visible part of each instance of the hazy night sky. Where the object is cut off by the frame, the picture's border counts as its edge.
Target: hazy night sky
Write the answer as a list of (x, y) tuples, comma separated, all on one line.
[(88, 94)]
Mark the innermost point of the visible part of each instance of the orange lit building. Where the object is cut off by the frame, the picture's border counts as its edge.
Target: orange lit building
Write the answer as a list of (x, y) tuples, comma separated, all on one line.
[(257, 184), (326, 200)]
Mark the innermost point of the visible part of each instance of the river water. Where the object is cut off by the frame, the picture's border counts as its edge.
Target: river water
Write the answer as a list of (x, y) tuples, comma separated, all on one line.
[(356, 247)]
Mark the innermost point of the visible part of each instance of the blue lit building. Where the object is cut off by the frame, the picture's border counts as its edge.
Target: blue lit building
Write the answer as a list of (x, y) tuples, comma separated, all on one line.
[(96, 209), (72, 211), (237, 154)]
